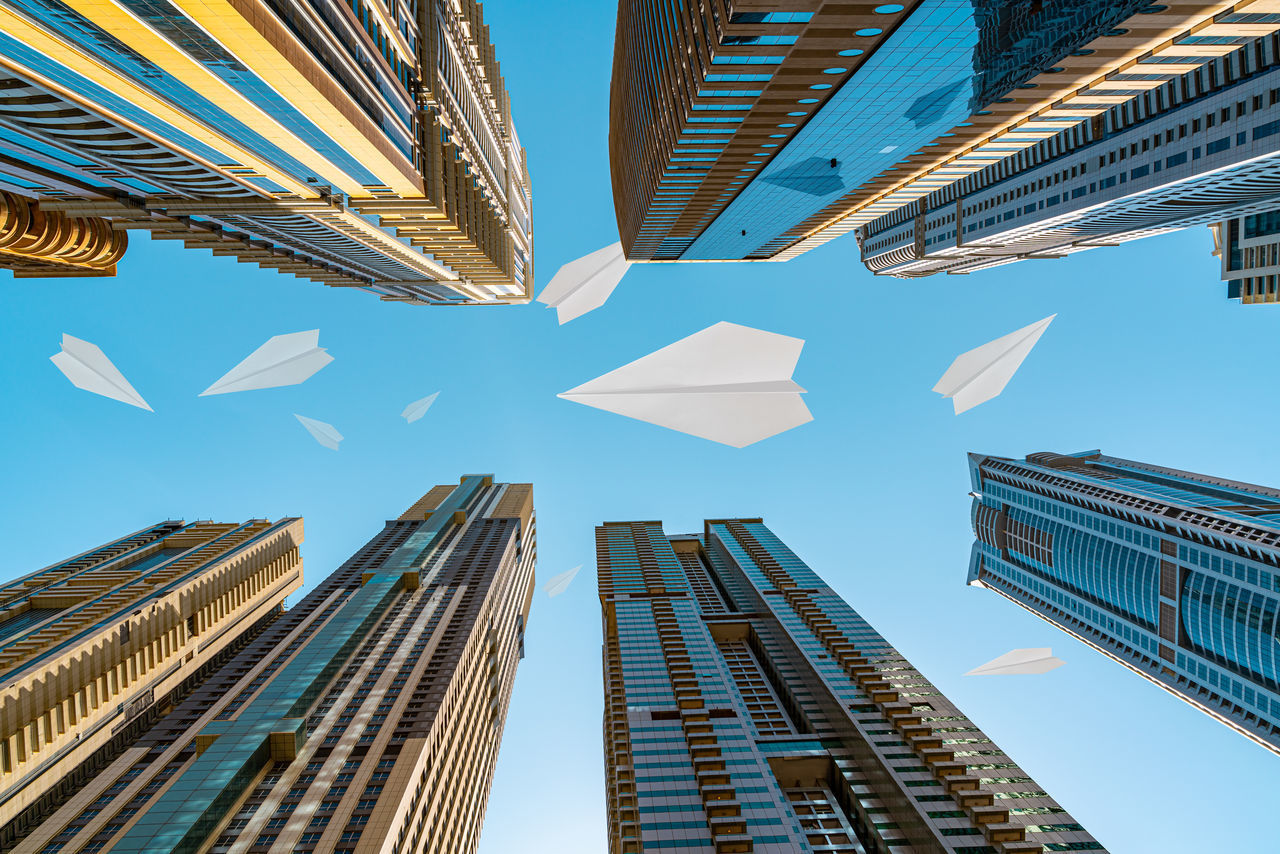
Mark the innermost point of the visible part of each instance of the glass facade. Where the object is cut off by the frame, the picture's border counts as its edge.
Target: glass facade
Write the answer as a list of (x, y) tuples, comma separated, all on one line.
[(1194, 142), (366, 717), (1175, 574), (749, 708), (94, 649), (861, 94), (286, 134)]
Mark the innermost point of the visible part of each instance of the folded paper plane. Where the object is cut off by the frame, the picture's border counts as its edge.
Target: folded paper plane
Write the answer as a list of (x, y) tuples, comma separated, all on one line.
[(983, 372), (89, 368), (728, 383), (283, 360), (325, 434), (1019, 662), (560, 583), (584, 285), (418, 408)]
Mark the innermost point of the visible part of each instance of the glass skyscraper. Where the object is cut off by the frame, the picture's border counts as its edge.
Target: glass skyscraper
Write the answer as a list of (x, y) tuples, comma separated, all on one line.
[(759, 133), (1249, 250), (96, 648), (1179, 139), (365, 718), (1173, 574), (359, 143), (749, 708)]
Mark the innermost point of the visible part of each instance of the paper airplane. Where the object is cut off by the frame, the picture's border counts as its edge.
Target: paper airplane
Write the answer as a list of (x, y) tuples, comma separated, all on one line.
[(1019, 662), (560, 583), (583, 285), (983, 372), (728, 383), (89, 368), (283, 360), (325, 434), (418, 408)]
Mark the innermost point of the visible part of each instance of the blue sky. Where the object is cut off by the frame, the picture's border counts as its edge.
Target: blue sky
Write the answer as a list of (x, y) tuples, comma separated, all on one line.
[(1145, 360)]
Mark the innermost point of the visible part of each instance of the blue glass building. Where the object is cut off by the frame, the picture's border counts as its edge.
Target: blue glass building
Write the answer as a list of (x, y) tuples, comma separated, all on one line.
[(1173, 574), (749, 708), (756, 133), (1249, 249)]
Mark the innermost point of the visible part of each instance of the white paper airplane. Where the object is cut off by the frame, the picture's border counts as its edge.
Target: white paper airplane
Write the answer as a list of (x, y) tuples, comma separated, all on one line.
[(1019, 662), (89, 368), (983, 372), (325, 434), (583, 285), (728, 383), (560, 583), (418, 408), (283, 360)]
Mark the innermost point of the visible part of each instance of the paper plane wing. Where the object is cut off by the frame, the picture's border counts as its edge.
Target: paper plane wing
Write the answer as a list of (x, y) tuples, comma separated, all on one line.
[(325, 434), (1019, 662), (728, 383), (283, 360), (89, 368), (560, 583), (418, 408), (584, 285), (982, 373)]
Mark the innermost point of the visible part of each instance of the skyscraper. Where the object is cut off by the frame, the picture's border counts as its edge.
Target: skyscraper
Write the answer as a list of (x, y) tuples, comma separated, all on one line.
[(1248, 248), (359, 144), (367, 718), (94, 649), (1173, 574), (762, 132), (1198, 144), (749, 708)]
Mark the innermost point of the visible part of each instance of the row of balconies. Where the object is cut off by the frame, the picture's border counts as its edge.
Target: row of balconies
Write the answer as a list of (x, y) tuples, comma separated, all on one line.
[(719, 798)]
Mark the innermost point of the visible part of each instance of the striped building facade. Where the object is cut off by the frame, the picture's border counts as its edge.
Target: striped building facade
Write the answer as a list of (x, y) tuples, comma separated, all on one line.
[(1195, 141), (1175, 575), (760, 130), (366, 719), (749, 708), (96, 648), (359, 143)]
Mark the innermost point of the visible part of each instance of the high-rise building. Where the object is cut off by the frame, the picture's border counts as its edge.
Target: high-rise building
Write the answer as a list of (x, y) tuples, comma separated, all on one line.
[(760, 131), (1248, 248), (1199, 144), (367, 718), (360, 144), (749, 708), (96, 648), (1173, 574)]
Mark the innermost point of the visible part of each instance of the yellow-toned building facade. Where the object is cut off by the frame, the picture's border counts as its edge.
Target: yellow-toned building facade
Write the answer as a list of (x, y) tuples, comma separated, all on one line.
[(93, 650), (362, 144), (366, 719)]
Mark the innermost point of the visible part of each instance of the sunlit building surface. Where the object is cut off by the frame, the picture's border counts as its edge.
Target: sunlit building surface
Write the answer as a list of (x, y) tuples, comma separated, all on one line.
[(95, 649), (366, 719), (364, 144), (1173, 574), (749, 708), (761, 130), (1193, 148), (1249, 250)]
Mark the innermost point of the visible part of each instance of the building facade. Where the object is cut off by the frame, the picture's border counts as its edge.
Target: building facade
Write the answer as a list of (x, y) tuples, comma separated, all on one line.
[(364, 144), (1173, 574), (367, 718), (749, 708), (1177, 150), (1248, 248), (760, 130), (95, 649)]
